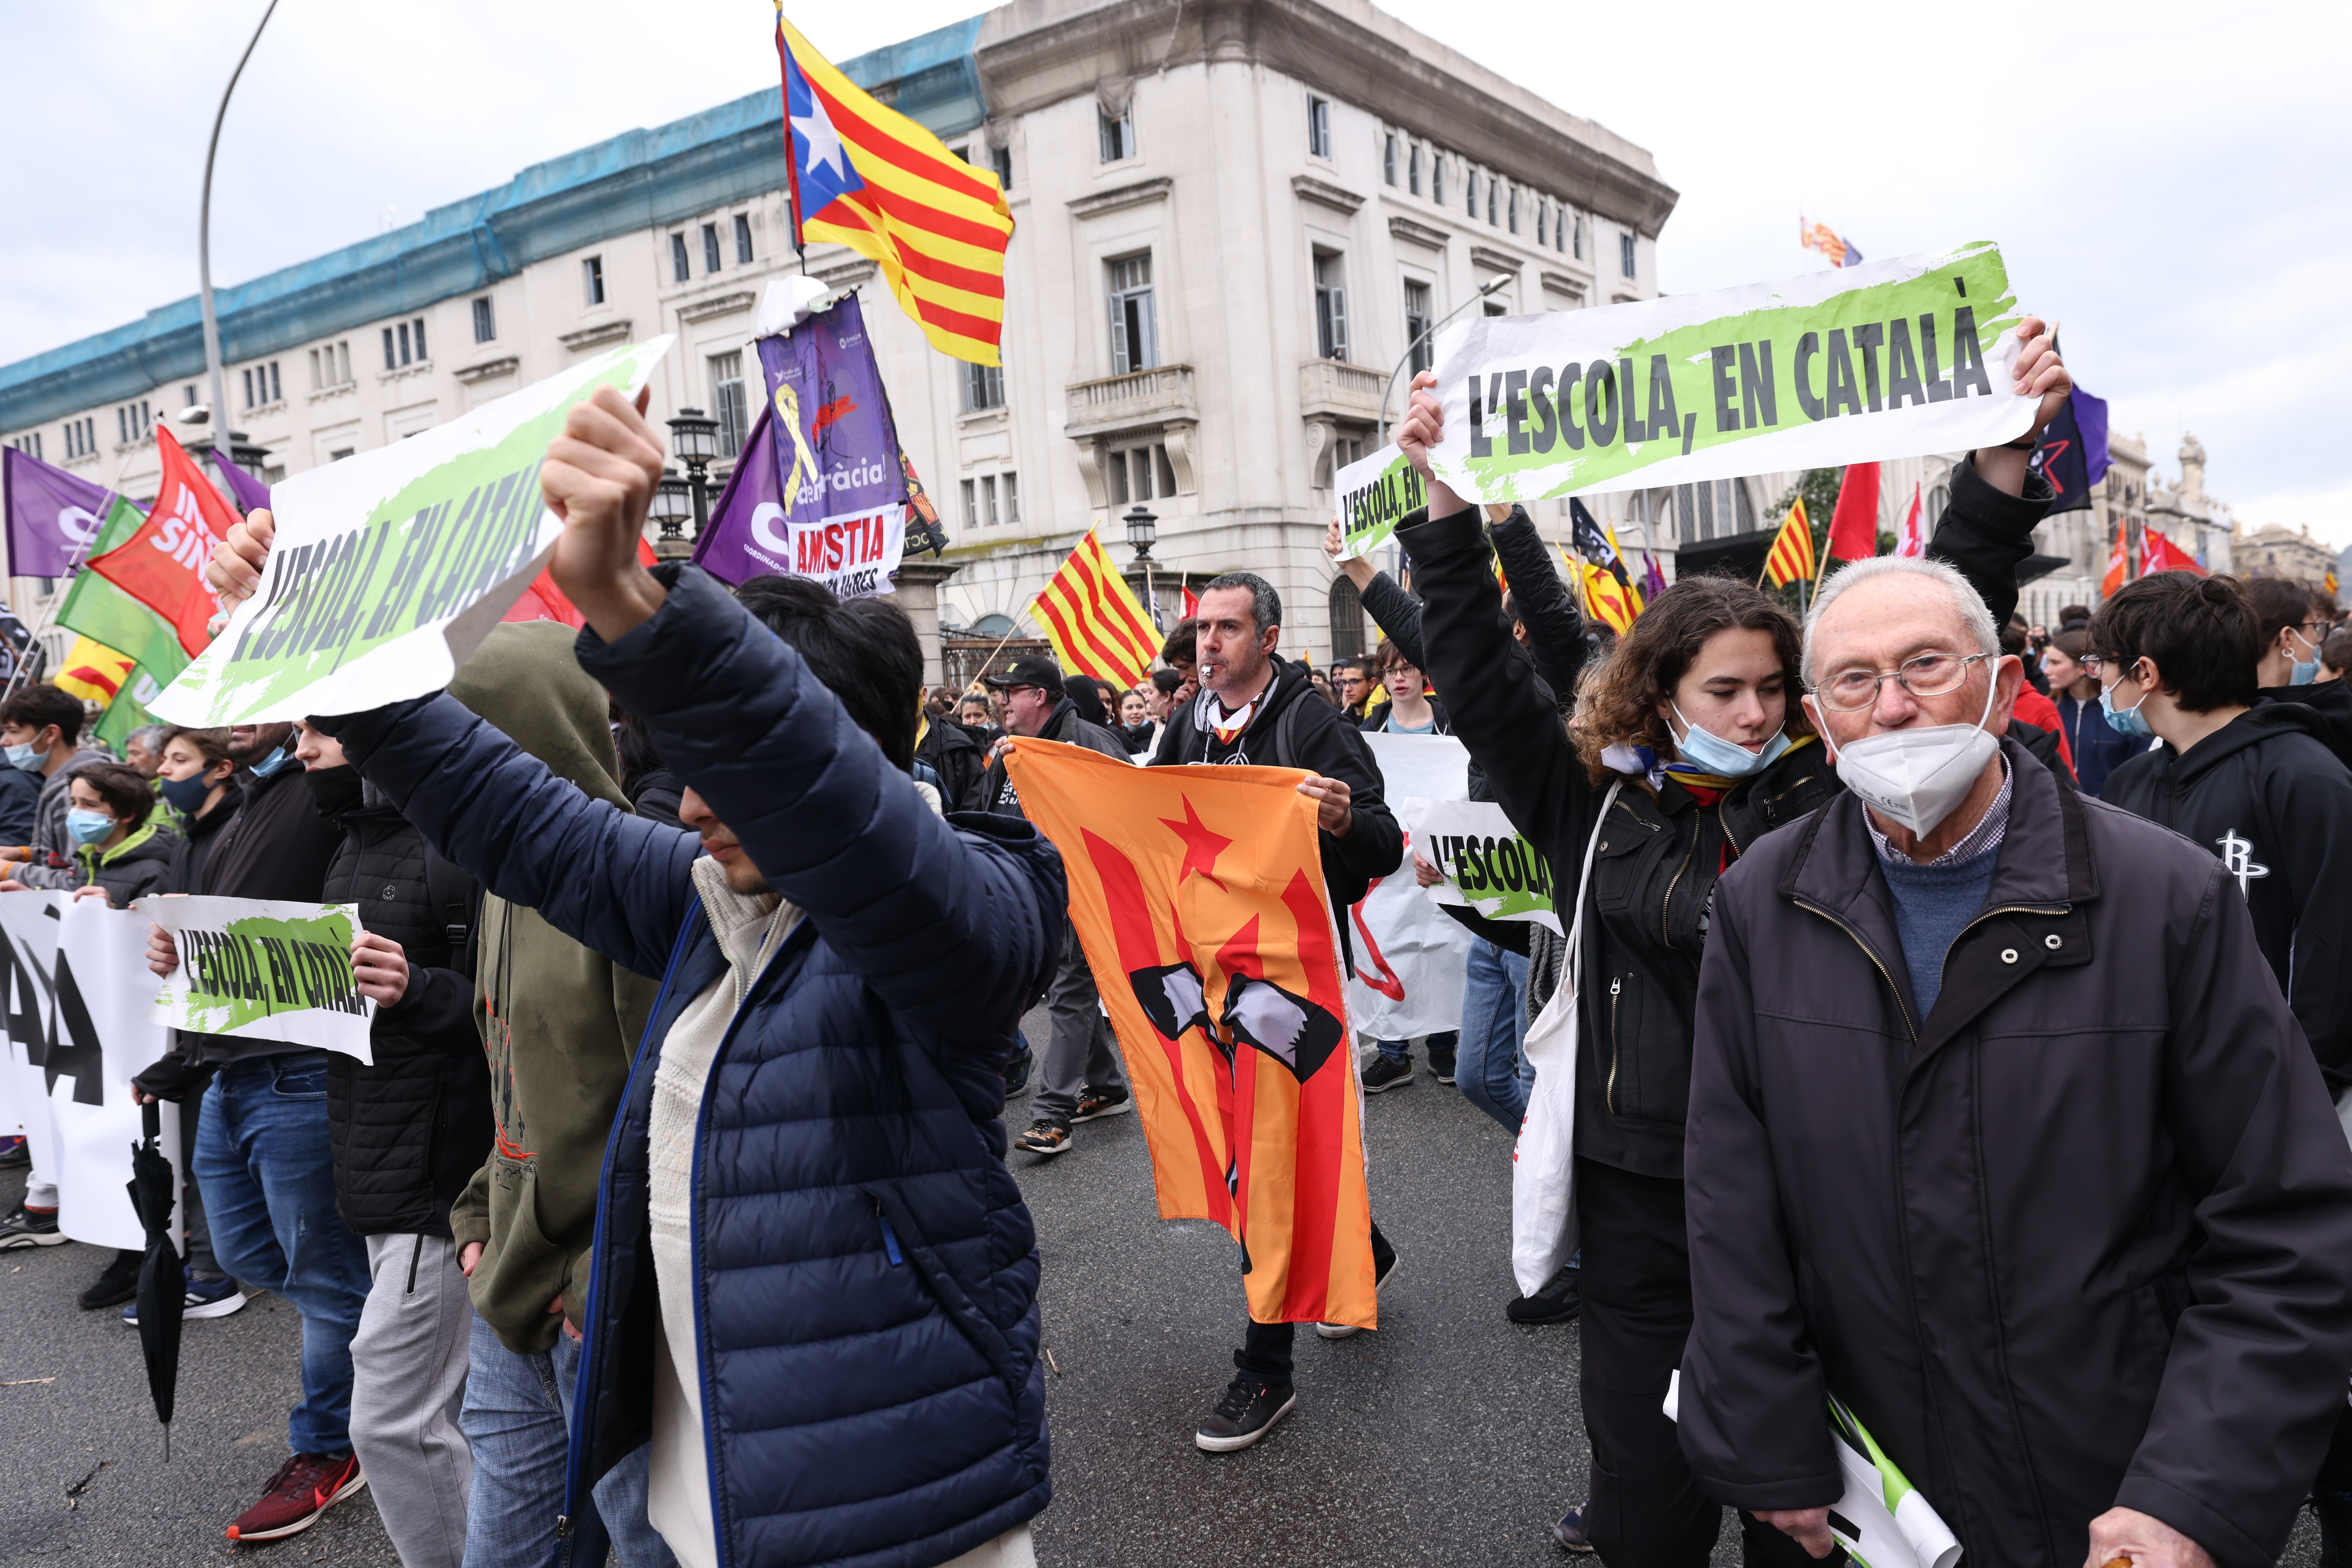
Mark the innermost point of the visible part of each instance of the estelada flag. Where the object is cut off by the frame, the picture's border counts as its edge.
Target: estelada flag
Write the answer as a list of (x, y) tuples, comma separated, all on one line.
[(93, 671), (163, 565), (1197, 895), (1791, 555), (1605, 598)]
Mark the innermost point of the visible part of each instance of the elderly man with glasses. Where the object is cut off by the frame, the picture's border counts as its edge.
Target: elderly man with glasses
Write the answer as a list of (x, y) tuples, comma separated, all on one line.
[(2001, 1134)]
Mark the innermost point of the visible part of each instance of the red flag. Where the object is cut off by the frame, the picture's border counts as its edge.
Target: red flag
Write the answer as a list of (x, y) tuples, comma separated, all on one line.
[(1913, 539), (2118, 565), (163, 565), (2158, 554), (544, 601), (1853, 526), (1192, 605)]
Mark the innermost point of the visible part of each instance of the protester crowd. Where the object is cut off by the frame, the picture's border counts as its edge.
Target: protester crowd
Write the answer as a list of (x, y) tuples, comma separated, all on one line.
[(1959, 1007)]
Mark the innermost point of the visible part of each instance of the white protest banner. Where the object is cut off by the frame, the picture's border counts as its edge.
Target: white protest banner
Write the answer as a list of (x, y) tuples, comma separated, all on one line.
[(1889, 358), (389, 568), (1489, 866), (1410, 956), (855, 554), (76, 970), (1376, 493), (265, 969)]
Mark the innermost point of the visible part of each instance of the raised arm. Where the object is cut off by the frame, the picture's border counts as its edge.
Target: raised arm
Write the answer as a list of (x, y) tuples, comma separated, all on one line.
[(1555, 625)]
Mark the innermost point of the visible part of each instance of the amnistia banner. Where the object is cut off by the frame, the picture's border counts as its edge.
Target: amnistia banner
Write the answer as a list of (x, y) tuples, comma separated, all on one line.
[(1488, 865), (390, 567), (1376, 493), (265, 969), (1411, 957), (1889, 358), (72, 977)]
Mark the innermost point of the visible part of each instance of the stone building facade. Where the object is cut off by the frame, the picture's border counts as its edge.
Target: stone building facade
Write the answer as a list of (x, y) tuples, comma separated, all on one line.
[(1232, 218)]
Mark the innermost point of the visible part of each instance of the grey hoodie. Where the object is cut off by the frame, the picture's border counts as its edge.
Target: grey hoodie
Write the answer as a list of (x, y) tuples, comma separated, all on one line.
[(49, 836)]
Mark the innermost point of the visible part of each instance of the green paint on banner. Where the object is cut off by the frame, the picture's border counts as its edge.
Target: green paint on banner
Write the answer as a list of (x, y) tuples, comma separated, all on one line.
[(258, 966), (1376, 494), (1501, 877)]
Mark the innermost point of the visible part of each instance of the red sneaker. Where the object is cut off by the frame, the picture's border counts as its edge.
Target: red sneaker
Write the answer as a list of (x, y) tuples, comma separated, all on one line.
[(306, 1486)]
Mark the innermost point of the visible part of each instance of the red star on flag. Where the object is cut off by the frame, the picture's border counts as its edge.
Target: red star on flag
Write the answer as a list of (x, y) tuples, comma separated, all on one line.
[(1201, 847)]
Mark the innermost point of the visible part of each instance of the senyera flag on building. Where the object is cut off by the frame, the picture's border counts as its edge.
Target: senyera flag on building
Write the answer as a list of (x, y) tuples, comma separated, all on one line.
[(1093, 620), (1198, 896), (870, 178)]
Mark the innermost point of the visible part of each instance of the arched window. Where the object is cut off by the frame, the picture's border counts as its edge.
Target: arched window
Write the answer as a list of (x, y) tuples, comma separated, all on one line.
[(1347, 619), (993, 626)]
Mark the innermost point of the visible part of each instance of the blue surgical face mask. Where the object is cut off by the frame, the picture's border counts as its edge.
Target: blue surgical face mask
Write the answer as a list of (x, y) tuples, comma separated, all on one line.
[(24, 757), (1723, 758), (2304, 674), (186, 796), (270, 763), (2125, 720), (88, 827)]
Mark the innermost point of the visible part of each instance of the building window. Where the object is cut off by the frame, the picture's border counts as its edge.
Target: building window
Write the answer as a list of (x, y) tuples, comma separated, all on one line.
[(983, 387), (1420, 314), (1580, 237), (1347, 619), (992, 499), (248, 389), (1134, 338), (331, 366), (1543, 222), (742, 240), (1319, 127), (727, 401), (1116, 132), (28, 445), (1515, 209), (133, 421), (262, 386), (1490, 198), (681, 270), (1387, 158), (486, 321), (1437, 177), (710, 248), (81, 437), (1470, 192), (1011, 485), (1713, 510), (592, 279), (188, 395), (972, 503), (1559, 235), (1330, 304), (1413, 168), (1001, 158), (1140, 473), (1625, 253)]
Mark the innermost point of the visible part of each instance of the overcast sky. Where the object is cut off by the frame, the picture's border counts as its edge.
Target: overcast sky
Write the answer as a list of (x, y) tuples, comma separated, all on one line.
[(2169, 183)]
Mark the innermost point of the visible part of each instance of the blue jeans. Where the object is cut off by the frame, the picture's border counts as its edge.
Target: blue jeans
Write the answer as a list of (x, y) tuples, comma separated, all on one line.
[(1491, 1068), (518, 1420), (1444, 1040), (269, 1180)]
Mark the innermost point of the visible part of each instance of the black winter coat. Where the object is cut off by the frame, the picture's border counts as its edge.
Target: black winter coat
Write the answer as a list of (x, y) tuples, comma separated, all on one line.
[(2081, 1237), (408, 1131), (994, 792), (1657, 863), (2265, 794), (955, 754)]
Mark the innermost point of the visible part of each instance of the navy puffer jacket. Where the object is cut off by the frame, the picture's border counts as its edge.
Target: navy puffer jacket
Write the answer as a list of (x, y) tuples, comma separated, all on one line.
[(867, 1272)]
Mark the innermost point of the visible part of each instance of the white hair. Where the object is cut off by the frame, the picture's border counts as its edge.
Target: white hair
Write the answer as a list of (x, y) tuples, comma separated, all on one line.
[(1964, 598)]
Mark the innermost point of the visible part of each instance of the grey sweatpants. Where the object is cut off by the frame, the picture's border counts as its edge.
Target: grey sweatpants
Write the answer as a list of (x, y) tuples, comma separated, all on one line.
[(408, 1380), (1078, 1054)]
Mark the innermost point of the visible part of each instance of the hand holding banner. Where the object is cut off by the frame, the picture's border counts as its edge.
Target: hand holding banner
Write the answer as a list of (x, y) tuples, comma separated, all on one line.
[(389, 568), (1487, 865), (1376, 493), (1887, 359), (265, 969)]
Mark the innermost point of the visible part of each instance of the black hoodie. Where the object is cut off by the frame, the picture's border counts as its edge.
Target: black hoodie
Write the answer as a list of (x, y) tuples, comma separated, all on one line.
[(2266, 794)]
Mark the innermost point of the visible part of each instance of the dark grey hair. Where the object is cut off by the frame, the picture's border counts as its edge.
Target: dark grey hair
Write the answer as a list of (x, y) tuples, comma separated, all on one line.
[(151, 736), (1265, 604)]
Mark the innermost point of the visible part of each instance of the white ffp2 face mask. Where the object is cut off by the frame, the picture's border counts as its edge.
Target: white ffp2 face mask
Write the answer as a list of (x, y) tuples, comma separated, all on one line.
[(1918, 777)]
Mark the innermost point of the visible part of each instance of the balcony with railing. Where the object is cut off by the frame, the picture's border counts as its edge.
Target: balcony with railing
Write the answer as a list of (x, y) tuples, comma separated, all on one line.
[(1135, 401), (1334, 389)]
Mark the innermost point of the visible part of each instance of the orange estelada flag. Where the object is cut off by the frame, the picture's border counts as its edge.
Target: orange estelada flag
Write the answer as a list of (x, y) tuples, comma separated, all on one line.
[(1197, 895)]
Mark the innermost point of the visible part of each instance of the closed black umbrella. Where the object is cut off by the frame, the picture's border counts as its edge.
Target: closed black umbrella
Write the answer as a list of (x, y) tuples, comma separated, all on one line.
[(163, 1278)]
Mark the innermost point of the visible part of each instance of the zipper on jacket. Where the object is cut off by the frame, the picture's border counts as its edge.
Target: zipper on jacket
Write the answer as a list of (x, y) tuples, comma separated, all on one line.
[(1665, 936), (1901, 1005), (1987, 914), (1609, 1090), (889, 1236)]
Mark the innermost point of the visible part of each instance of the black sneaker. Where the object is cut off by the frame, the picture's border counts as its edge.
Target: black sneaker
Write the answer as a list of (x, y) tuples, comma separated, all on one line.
[(1569, 1530), (117, 1284), (1043, 1138), (1244, 1415), (1016, 1072), (1386, 1073), (23, 1228), (1441, 1066), (16, 1153), (1559, 1301), (1384, 1262), (1096, 1102)]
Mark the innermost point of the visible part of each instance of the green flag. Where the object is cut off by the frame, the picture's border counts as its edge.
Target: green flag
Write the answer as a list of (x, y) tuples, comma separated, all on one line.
[(98, 609)]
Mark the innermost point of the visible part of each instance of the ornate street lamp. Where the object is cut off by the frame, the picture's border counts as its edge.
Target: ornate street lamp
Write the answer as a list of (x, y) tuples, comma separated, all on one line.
[(673, 504), (1142, 531), (694, 441)]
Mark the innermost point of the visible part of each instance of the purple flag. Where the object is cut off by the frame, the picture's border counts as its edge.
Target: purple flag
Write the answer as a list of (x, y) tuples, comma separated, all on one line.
[(746, 536), (249, 493), (52, 515), (832, 504), (2091, 418)]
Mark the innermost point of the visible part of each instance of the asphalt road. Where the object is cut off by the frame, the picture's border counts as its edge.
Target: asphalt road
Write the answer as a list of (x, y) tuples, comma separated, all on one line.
[(1449, 1437)]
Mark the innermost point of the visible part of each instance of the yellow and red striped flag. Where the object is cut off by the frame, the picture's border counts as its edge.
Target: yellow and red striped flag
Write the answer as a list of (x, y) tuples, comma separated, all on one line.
[(873, 180), (93, 671), (1791, 555), (1093, 620), (1606, 599)]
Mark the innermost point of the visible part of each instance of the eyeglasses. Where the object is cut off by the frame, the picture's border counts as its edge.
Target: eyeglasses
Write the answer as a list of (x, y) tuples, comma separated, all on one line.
[(1928, 675)]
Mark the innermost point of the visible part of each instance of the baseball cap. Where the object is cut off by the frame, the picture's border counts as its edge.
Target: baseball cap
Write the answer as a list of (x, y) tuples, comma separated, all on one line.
[(1029, 669)]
